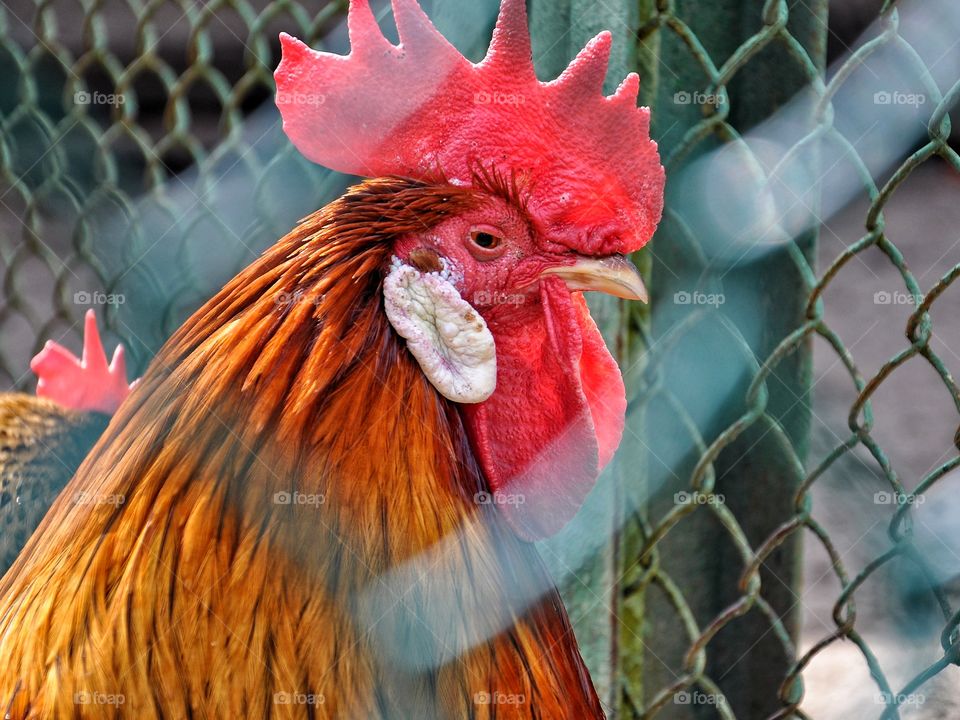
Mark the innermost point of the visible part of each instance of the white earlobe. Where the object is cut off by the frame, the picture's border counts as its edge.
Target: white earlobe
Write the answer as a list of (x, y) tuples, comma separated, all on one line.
[(444, 333)]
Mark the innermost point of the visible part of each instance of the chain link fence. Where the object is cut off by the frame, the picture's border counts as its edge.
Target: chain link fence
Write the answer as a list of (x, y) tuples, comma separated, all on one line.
[(141, 166), (750, 468)]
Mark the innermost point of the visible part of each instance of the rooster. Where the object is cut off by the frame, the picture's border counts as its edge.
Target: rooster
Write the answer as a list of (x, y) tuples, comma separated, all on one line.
[(43, 439), (333, 473)]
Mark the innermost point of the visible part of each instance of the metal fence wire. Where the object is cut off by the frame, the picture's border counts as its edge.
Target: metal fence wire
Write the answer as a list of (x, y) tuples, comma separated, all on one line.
[(141, 166)]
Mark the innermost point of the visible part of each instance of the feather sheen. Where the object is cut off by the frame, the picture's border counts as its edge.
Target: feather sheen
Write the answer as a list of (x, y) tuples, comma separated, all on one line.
[(282, 455)]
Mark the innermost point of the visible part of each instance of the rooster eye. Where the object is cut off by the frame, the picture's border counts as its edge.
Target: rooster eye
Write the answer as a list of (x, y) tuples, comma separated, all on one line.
[(486, 240), (485, 243)]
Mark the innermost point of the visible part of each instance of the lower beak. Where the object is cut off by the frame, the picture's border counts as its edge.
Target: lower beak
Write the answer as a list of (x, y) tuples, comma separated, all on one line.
[(614, 275)]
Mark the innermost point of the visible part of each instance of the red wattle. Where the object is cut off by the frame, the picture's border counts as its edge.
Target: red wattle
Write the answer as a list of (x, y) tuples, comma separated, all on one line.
[(555, 418), (602, 385)]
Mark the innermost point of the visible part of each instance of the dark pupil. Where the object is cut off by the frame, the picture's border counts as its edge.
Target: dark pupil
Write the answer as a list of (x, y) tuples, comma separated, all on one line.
[(485, 240)]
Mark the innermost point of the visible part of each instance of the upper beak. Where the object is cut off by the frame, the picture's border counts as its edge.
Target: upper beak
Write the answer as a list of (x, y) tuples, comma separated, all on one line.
[(614, 275)]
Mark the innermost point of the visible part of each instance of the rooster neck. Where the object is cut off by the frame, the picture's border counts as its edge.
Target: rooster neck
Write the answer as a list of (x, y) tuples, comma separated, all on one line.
[(297, 357)]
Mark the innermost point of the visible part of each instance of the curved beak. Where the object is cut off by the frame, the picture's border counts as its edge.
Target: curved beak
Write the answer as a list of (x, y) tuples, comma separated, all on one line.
[(614, 275)]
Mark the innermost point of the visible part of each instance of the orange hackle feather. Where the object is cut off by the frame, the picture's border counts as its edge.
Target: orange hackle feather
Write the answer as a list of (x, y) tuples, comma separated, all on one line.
[(280, 456)]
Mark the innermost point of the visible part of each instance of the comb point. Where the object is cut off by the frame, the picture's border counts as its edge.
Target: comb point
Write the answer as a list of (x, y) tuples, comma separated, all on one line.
[(93, 357), (118, 363), (414, 28), (628, 90), (293, 47), (587, 71), (510, 48), (362, 27)]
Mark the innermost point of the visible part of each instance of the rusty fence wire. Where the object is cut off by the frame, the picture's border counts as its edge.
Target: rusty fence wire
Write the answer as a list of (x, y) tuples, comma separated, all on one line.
[(141, 166)]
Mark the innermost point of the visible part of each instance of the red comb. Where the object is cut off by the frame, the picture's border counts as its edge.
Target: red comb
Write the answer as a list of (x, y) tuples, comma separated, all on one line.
[(87, 384), (592, 173)]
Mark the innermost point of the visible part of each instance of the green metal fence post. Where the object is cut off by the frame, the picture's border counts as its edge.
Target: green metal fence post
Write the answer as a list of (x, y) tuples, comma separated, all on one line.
[(756, 474)]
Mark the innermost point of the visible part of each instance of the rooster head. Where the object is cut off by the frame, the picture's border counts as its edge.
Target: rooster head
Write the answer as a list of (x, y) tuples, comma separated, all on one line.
[(566, 182)]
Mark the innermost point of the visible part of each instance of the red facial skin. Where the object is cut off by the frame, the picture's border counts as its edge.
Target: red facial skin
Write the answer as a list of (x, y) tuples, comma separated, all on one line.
[(557, 413), (492, 277)]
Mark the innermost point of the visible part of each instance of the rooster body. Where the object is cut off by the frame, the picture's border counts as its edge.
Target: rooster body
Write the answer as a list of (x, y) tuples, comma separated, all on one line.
[(42, 444), (44, 439), (203, 595)]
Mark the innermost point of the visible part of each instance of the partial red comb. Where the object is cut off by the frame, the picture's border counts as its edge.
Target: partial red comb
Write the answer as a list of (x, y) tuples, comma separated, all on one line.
[(593, 175), (87, 384)]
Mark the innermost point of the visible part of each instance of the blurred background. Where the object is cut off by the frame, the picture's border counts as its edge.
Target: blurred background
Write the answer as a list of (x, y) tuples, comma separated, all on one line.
[(758, 550)]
